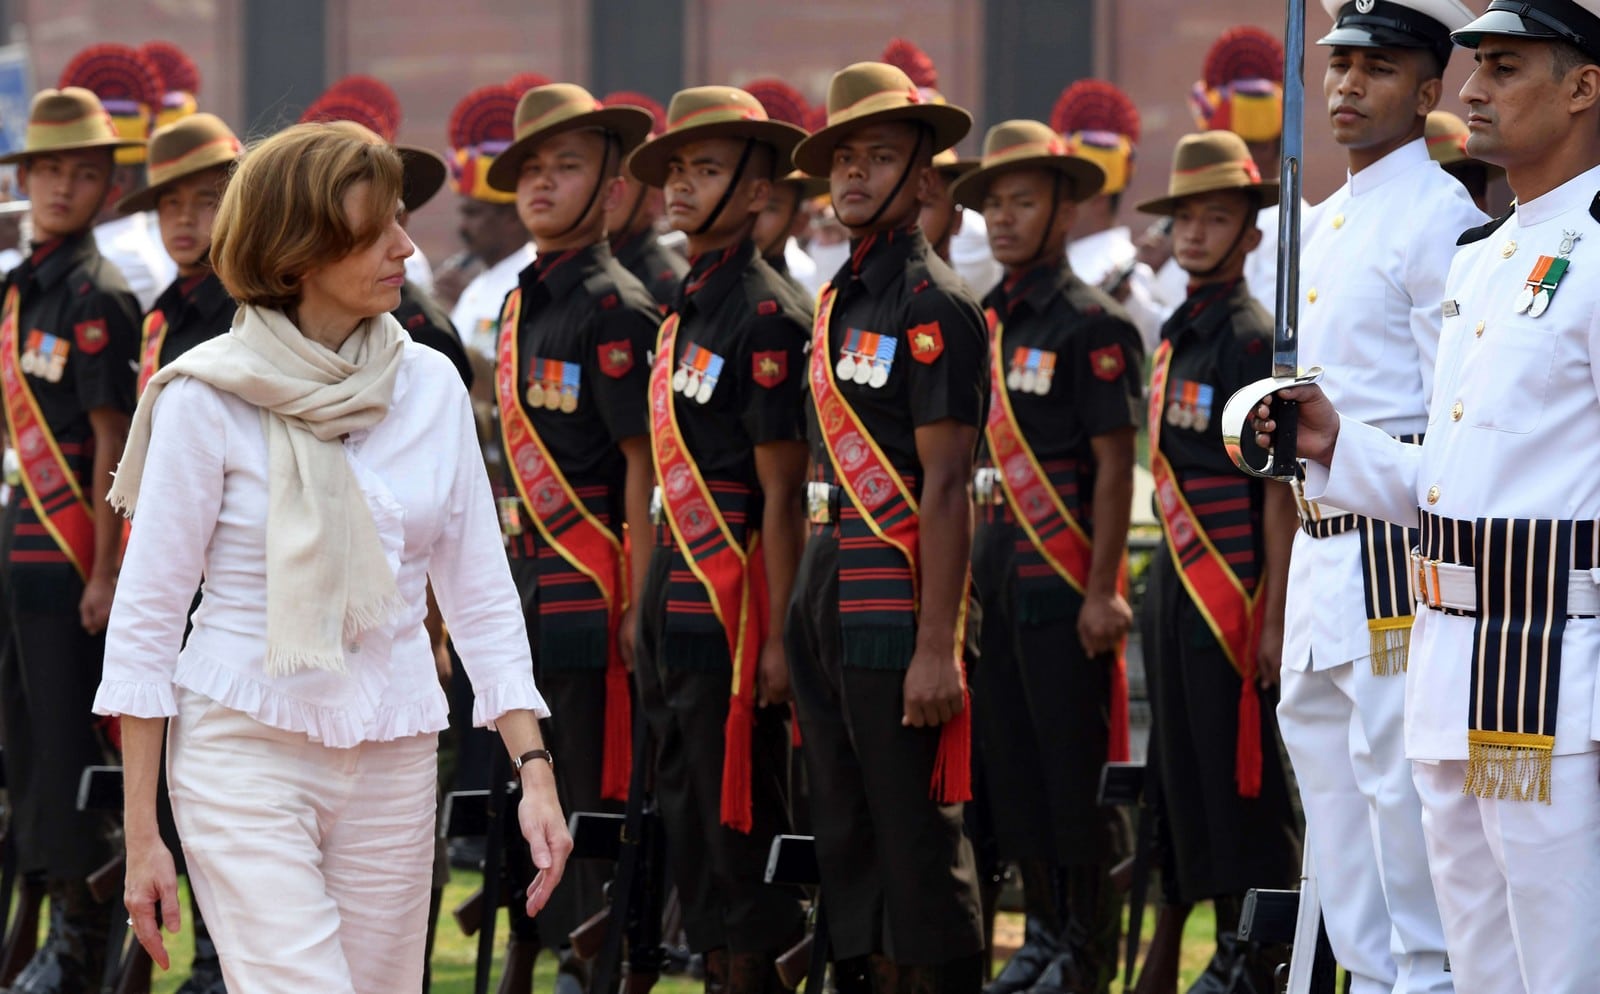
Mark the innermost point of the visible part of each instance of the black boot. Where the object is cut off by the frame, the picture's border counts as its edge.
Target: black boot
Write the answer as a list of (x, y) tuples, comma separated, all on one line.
[(205, 975), (1041, 931), (72, 959)]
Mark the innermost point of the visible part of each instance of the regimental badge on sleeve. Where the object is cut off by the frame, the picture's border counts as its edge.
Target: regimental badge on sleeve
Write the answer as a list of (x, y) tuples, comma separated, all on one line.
[(616, 358), (1108, 363), (91, 335), (927, 342), (769, 368)]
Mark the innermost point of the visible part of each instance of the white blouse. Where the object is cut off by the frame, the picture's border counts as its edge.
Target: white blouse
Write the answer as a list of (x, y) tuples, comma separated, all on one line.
[(202, 513)]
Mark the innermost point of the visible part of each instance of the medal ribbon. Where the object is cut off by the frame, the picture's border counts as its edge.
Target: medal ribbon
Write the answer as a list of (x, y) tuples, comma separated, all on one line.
[(576, 535), (51, 485), (1056, 534), (1234, 615), (733, 578), (880, 496), (153, 337)]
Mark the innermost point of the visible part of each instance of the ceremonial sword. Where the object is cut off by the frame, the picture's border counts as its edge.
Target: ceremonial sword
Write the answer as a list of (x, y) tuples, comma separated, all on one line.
[(1238, 412)]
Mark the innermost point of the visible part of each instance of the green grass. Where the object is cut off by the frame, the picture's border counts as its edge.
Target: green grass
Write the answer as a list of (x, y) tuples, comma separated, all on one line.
[(454, 953)]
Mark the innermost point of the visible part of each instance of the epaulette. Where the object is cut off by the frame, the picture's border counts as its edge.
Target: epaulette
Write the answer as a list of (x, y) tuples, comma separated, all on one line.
[(599, 285), (1087, 300), (1594, 207), (1483, 231)]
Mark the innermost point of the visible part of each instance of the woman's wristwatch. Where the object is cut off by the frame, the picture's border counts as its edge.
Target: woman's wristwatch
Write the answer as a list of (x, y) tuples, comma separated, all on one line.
[(533, 754)]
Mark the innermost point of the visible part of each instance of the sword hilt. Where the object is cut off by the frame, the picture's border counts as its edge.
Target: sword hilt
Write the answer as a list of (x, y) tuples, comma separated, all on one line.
[(1286, 417)]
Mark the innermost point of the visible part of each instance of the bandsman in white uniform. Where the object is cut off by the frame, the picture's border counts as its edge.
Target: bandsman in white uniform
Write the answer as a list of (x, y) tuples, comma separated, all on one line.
[(1369, 314), (1102, 125), (1500, 715)]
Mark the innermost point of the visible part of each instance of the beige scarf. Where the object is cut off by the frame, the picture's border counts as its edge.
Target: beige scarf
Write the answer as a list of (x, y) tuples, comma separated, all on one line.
[(327, 576)]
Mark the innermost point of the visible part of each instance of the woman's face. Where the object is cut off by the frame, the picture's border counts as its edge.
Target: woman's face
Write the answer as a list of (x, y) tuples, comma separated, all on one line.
[(366, 282)]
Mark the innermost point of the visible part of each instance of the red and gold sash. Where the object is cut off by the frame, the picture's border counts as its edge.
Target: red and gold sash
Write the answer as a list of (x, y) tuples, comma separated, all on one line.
[(880, 496), (567, 526), (1234, 615), (154, 336), (734, 578), (1056, 534), (52, 487)]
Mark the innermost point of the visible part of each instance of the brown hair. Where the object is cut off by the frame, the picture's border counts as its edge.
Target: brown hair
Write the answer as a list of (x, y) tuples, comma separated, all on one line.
[(282, 215)]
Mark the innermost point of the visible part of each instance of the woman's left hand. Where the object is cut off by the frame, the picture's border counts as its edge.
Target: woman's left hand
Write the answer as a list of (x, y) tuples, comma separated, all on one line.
[(545, 828)]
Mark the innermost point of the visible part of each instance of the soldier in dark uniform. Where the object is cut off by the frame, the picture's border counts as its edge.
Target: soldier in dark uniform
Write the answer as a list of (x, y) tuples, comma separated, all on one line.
[(728, 428), (941, 216), (189, 167), (575, 336), (879, 626), (631, 226), (68, 349), (786, 217), (1065, 387), (1213, 615)]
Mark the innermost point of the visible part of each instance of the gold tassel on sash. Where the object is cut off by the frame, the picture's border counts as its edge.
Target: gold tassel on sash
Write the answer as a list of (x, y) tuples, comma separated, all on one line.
[(1391, 644), (1510, 766)]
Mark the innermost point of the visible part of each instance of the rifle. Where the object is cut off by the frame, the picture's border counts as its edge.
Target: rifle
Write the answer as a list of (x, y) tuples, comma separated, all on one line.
[(639, 885), (793, 861), (128, 966)]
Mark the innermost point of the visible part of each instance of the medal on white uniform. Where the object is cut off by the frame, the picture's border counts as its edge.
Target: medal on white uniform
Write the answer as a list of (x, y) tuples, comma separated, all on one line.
[(1541, 285)]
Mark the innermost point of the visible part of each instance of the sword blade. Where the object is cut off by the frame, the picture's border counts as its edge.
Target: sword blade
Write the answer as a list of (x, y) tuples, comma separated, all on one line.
[(1286, 324)]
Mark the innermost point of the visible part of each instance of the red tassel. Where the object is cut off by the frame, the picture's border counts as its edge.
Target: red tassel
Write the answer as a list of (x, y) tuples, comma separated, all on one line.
[(736, 772), (1247, 758), (617, 751), (952, 765), (1118, 750)]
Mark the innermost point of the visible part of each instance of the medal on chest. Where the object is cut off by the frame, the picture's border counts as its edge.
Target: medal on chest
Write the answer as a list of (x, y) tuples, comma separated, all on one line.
[(865, 358), (552, 385), (45, 356), (1546, 276), (1190, 405), (1031, 371), (697, 375)]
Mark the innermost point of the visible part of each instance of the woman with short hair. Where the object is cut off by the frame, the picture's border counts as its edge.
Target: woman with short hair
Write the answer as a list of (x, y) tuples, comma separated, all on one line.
[(293, 465)]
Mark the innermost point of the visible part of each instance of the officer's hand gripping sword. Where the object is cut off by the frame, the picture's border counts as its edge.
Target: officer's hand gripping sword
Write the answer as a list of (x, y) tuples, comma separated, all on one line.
[(1239, 412)]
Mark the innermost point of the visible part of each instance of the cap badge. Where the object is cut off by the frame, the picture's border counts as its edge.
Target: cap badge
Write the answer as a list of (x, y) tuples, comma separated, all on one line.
[(1365, 6)]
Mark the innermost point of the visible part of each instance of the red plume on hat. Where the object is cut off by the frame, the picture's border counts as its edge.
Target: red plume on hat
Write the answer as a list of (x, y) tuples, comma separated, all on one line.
[(482, 125), (522, 82), (487, 114), (1095, 105), (178, 72), (1243, 86), (633, 98), (375, 93), (116, 73), (348, 106), (913, 61), (1244, 52), (781, 101)]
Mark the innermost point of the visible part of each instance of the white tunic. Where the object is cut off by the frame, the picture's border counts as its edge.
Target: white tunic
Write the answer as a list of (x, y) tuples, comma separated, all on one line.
[(133, 245), (203, 510), (1372, 270), (1525, 445), (477, 311)]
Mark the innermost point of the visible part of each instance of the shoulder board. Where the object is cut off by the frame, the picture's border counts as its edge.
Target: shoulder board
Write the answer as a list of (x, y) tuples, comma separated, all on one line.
[(1091, 301), (599, 284), (1483, 231), (1594, 207)]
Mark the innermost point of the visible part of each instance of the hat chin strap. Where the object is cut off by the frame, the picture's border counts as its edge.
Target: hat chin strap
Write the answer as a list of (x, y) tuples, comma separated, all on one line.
[(899, 184), (733, 184), (1050, 226), (599, 184)]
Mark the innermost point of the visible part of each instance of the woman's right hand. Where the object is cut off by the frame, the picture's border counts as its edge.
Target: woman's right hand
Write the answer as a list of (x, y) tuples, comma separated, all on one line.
[(545, 829), (151, 885)]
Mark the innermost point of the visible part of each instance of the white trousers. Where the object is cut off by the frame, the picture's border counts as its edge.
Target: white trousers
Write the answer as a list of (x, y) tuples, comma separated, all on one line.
[(1344, 730), (1518, 882), (311, 865)]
